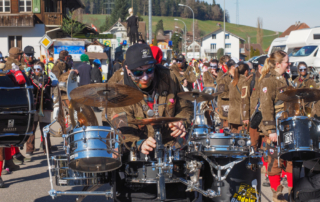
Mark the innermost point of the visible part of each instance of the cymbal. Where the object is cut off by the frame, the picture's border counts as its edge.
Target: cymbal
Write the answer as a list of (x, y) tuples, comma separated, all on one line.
[(198, 96), (156, 121), (85, 114), (106, 95), (307, 94)]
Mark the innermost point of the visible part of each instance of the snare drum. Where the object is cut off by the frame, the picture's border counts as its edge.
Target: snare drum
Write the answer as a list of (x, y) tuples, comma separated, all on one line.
[(233, 145), (16, 111), (299, 136), (94, 149), (66, 177)]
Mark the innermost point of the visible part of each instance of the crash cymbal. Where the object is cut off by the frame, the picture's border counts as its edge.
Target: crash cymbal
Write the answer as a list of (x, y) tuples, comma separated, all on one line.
[(106, 95), (307, 94), (198, 96), (156, 121)]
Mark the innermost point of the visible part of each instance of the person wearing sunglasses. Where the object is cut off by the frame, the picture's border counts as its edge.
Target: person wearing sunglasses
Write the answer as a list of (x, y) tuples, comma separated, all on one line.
[(29, 56), (184, 73), (304, 80), (41, 82), (159, 85), (210, 76)]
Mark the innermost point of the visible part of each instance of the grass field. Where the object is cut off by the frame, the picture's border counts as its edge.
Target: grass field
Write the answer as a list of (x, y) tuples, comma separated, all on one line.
[(207, 26)]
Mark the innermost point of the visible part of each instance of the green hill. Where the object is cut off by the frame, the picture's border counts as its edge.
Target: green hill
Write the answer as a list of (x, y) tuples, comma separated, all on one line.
[(206, 26)]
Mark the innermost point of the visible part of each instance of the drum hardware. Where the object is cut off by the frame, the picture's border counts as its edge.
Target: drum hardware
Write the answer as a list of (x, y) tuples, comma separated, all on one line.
[(41, 100)]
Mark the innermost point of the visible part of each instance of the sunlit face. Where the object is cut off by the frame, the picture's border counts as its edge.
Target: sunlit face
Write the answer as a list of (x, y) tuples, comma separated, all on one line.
[(283, 66), (37, 71), (142, 76), (180, 63), (303, 70)]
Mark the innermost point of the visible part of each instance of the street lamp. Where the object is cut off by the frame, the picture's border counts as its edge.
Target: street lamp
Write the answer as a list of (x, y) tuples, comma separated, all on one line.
[(193, 27), (185, 35)]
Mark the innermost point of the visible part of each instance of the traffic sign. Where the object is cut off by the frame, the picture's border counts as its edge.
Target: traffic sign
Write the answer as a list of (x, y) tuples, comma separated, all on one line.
[(46, 41)]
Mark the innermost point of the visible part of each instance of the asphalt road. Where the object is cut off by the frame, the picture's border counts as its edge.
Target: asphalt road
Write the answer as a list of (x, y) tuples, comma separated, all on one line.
[(32, 182)]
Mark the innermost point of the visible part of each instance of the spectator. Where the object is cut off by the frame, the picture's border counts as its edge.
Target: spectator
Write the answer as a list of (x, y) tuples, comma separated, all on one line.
[(50, 65), (84, 70), (96, 76), (15, 57)]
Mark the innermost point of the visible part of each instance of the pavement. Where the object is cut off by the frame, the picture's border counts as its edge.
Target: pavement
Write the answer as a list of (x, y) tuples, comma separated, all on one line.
[(32, 183)]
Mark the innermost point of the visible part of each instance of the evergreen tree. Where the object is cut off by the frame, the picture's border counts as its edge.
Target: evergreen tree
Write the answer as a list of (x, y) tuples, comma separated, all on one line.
[(220, 53), (159, 26), (120, 11), (155, 41), (176, 40), (70, 26)]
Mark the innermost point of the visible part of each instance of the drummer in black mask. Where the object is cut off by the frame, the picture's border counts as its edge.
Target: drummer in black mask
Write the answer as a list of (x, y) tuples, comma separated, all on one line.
[(159, 85)]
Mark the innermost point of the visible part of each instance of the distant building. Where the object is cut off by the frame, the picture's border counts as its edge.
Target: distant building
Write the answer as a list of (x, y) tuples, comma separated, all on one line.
[(211, 43), (245, 50)]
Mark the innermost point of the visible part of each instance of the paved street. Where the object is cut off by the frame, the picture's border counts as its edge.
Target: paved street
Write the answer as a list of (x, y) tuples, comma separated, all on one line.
[(32, 183)]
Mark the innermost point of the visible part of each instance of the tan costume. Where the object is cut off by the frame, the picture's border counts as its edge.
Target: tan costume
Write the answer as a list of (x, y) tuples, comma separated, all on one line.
[(209, 80), (58, 68), (11, 60), (239, 98), (167, 87), (270, 88), (223, 98), (188, 74)]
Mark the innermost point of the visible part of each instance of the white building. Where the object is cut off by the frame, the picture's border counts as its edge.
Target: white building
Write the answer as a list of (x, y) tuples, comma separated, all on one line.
[(197, 48), (211, 43)]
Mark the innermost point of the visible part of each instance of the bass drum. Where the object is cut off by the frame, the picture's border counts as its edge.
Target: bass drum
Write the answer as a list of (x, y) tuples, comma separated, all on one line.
[(242, 184), (16, 111)]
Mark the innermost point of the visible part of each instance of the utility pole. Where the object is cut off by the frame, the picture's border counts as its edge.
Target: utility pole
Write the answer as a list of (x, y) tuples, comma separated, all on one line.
[(249, 47), (224, 27), (150, 21), (237, 5)]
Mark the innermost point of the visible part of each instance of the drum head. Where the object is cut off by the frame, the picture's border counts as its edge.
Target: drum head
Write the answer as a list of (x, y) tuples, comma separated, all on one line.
[(95, 164), (300, 155)]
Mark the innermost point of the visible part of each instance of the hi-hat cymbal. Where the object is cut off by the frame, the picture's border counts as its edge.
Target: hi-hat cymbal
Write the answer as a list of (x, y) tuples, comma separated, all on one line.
[(198, 96), (106, 95), (156, 121), (307, 94), (85, 114)]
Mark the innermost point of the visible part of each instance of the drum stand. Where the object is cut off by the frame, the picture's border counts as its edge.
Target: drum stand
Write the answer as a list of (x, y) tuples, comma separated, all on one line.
[(53, 193)]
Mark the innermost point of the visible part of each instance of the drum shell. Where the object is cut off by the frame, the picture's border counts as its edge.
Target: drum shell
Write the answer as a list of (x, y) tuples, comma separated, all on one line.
[(16, 107), (146, 173), (176, 155), (89, 151), (64, 176), (239, 175), (299, 138), (220, 145)]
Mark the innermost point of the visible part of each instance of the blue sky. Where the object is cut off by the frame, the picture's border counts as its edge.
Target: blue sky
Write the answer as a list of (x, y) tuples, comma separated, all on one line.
[(277, 15)]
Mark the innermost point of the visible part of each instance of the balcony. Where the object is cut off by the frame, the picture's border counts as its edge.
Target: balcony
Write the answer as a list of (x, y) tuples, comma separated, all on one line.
[(16, 20), (52, 19), (210, 50)]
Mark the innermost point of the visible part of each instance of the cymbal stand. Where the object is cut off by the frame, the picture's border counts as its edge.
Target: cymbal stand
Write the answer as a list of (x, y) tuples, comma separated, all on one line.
[(159, 154)]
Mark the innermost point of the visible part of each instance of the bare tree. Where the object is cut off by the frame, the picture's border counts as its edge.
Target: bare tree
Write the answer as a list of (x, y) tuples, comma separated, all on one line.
[(259, 31), (91, 7)]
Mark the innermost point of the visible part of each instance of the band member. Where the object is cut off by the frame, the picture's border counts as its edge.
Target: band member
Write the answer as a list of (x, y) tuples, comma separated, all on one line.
[(304, 80), (210, 76), (42, 88), (223, 64), (159, 85), (184, 73), (29, 56), (272, 82), (61, 66), (15, 56), (239, 96), (223, 98)]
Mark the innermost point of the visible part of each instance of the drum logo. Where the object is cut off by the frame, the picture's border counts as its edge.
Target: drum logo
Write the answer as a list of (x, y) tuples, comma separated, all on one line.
[(288, 137), (10, 123)]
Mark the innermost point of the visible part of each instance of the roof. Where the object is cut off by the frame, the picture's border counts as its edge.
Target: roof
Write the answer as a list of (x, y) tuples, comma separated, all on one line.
[(221, 30), (96, 42), (254, 46), (100, 56), (294, 27), (75, 4)]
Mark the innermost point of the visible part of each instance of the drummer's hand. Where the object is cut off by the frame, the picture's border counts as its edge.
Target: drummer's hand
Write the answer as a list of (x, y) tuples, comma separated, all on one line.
[(148, 145), (245, 122), (178, 129), (273, 137), (76, 71)]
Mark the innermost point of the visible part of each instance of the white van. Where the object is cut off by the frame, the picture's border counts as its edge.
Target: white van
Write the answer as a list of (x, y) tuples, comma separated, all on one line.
[(278, 44), (307, 54)]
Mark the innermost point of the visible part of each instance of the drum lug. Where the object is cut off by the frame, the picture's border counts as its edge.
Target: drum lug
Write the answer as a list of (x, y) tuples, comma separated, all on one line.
[(207, 142), (153, 166)]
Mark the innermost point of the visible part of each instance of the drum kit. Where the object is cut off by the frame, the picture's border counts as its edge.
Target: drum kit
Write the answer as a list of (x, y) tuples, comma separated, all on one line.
[(94, 154)]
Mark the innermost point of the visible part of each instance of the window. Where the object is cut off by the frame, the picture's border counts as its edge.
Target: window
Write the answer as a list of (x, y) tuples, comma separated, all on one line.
[(15, 41), (213, 46), (214, 36), (227, 36), (52, 6), (25, 5), (228, 45), (228, 54), (316, 36), (4, 5)]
